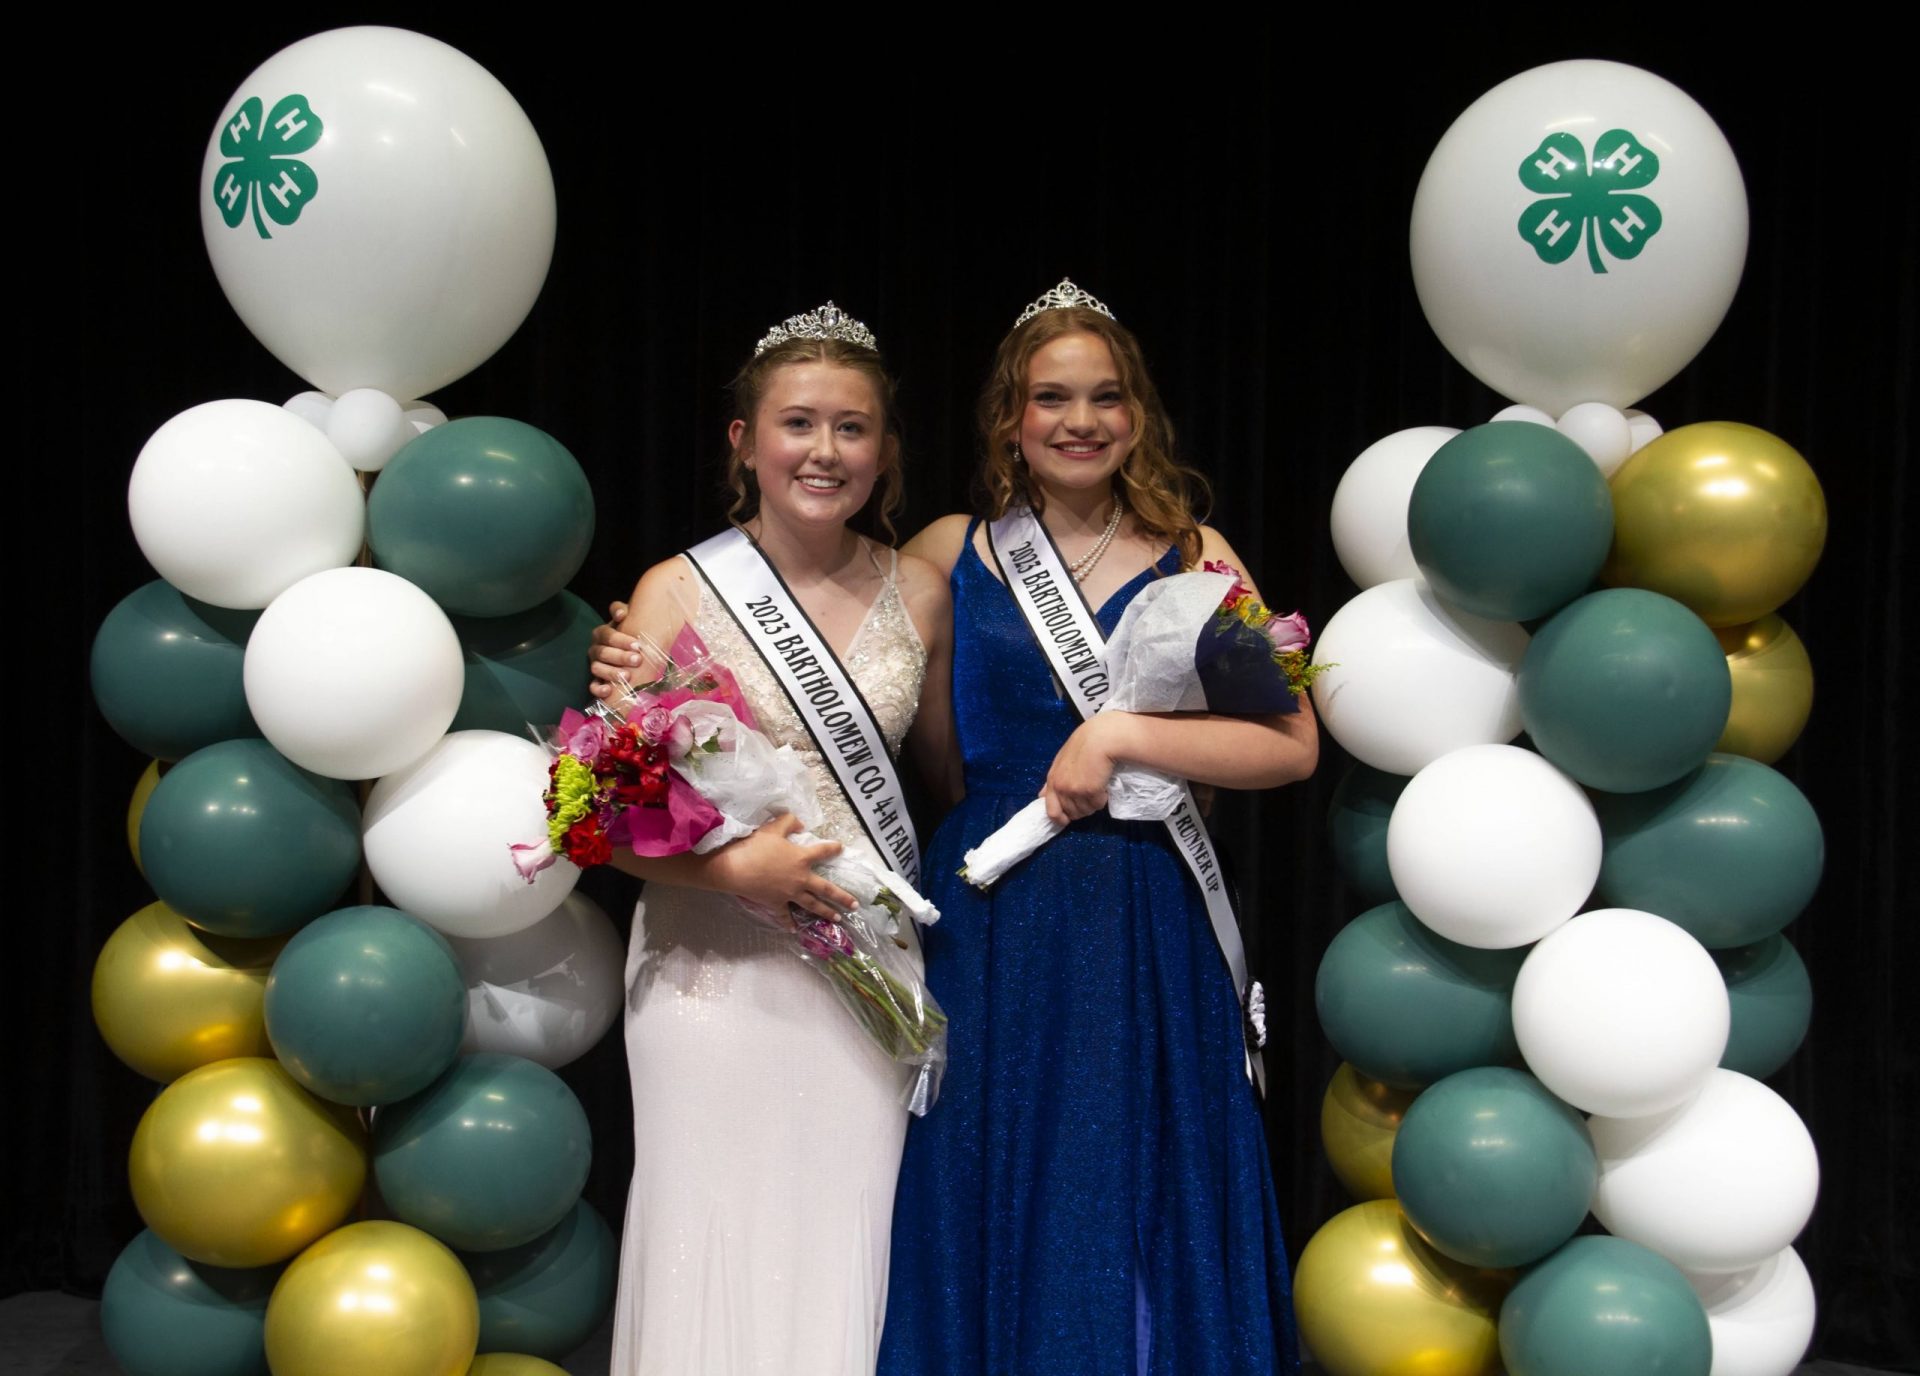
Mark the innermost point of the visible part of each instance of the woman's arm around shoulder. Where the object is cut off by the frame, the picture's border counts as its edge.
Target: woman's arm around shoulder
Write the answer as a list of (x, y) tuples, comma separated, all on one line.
[(940, 543)]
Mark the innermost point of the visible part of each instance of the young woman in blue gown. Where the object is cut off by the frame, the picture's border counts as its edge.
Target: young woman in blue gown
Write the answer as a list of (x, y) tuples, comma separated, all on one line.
[(1092, 1193)]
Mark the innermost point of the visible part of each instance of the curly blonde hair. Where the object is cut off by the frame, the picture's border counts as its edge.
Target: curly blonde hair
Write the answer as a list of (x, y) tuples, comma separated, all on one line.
[(1168, 499), (750, 384)]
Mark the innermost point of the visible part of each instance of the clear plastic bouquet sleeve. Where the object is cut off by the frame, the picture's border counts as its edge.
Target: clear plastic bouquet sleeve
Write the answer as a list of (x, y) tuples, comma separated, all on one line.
[(1151, 666)]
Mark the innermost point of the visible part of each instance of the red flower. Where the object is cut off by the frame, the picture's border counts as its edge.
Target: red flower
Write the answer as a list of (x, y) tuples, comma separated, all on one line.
[(587, 845)]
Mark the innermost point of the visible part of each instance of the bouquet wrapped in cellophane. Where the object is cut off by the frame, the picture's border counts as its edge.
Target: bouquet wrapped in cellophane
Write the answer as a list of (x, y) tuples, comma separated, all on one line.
[(1190, 642), (680, 766)]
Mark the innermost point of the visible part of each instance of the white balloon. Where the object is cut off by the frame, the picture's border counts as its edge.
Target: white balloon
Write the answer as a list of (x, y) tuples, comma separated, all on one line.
[(312, 407), (1415, 678), (1644, 428), (424, 415), (1620, 1012), (1603, 432), (368, 427), (1533, 415), (353, 673), (1578, 234), (549, 992), (1719, 1183), (438, 835), (1491, 846), (1370, 505), (233, 502), (1761, 1318), (378, 209)]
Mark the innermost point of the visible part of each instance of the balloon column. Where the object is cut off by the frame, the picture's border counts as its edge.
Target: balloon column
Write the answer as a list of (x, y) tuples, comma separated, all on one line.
[(379, 211), (1563, 680)]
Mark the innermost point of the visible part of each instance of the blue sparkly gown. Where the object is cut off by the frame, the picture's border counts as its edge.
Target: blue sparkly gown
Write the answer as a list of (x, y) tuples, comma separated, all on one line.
[(1091, 1195)]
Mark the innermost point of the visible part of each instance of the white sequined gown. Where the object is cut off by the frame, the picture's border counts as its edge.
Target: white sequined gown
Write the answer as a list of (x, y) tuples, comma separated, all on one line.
[(767, 1128)]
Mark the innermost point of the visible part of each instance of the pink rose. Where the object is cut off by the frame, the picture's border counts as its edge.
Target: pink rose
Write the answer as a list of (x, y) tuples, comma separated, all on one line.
[(679, 740), (1287, 632), (655, 724), (824, 940), (588, 740)]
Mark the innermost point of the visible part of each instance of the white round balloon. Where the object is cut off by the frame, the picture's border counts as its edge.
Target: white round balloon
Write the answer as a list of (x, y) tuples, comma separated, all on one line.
[(233, 502), (353, 673), (1603, 432), (1415, 679), (368, 427), (1491, 846), (549, 992), (1620, 1012), (438, 836), (1720, 1182), (1644, 429), (1578, 234), (1370, 505), (424, 415), (1533, 415), (1761, 1318), (378, 209), (312, 407)]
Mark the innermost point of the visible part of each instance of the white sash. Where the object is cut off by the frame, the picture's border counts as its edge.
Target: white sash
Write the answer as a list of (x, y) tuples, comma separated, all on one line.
[(1072, 641), (823, 694)]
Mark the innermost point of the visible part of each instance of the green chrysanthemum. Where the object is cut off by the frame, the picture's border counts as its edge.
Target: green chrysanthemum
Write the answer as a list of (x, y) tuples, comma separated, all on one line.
[(571, 798)]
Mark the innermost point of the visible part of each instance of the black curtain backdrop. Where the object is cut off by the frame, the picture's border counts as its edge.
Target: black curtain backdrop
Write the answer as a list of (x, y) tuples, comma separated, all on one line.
[(1238, 190)]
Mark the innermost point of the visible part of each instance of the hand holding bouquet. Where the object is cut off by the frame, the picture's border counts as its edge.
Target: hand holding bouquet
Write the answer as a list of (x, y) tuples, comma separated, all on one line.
[(1191, 642)]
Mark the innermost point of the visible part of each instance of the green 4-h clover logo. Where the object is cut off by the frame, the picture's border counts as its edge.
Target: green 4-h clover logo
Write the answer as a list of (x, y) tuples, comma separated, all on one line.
[(264, 174), (1590, 201)]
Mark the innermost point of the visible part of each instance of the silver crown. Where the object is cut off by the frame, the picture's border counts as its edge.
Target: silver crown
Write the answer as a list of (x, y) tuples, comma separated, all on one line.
[(1059, 298), (828, 322)]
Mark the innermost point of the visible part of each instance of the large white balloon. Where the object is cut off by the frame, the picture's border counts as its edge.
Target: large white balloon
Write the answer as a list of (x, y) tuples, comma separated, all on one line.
[(1761, 1318), (1718, 1183), (353, 673), (233, 502), (1620, 1012), (548, 993), (438, 836), (378, 209), (1578, 234), (1415, 678), (1491, 846), (1370, 505)]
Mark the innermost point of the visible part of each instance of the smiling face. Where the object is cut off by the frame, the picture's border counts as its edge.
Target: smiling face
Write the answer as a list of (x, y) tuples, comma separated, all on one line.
[(1076, 428), (817, 444)]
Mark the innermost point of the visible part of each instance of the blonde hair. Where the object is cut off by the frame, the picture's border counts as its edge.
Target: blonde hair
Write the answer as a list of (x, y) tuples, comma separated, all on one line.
[(750, 384), (1163, 493)]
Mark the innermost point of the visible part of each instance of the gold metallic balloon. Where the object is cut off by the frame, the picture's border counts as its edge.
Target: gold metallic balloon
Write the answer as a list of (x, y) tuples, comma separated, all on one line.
[(373, 1298), (236, 1165), (168, 997), (1722, 517), (143, 790), (1358, 1119), (513, 1364), (1374, 1299), (1772, 689)]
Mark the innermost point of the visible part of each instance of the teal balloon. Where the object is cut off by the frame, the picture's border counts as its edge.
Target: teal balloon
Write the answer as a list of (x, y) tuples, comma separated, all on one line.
[(162, 1315), (166, 672), (525, 669), (1408, 1007), (1772, 1005), (547, 1297), (241, 841), (366, 1005), (489, 516), (491, 1155), (1510, 520), (1357, 830), (1602, 1306), (1492, 1169), (1731, 852), (1625, 690)]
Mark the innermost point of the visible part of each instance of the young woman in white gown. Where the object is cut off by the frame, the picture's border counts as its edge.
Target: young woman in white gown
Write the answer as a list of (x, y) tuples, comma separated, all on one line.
[(767, 1127)]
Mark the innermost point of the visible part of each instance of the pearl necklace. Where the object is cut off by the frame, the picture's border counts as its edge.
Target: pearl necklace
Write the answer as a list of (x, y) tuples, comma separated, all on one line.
[(1083, 566)]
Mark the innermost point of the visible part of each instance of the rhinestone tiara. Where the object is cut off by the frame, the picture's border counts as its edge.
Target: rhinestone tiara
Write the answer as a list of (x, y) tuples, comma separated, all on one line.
[(828, 322), (1059, 298)]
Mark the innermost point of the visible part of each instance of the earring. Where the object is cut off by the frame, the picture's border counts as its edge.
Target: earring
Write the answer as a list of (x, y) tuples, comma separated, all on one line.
[(1019, 456)]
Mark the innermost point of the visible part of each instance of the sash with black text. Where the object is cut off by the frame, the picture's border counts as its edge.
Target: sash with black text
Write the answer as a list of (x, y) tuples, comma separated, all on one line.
[(1064, 628), (821, 690)]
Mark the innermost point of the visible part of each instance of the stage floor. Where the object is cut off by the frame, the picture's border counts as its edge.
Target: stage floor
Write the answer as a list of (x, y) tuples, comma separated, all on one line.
[(51, 1334)]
